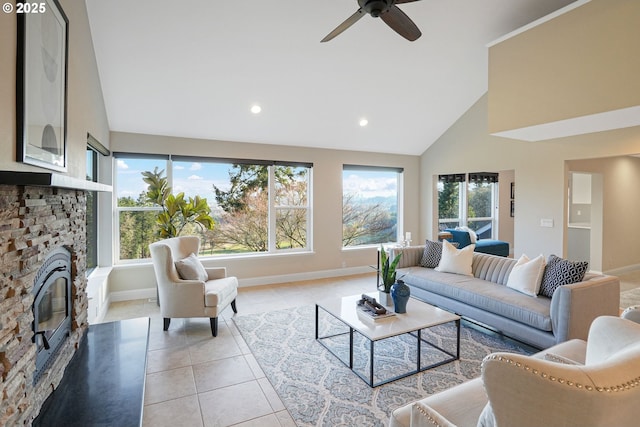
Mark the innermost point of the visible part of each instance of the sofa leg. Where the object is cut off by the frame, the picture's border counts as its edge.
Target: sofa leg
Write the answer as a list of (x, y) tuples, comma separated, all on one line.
[(167, 320), (214, 326), (233, 306)]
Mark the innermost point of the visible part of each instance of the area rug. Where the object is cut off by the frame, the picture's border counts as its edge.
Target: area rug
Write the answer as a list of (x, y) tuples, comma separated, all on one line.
[(629, 298), (319, 390)]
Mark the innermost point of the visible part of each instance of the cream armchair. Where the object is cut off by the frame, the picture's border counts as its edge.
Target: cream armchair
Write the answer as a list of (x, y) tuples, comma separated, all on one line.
[(573, 384), (204, 292)]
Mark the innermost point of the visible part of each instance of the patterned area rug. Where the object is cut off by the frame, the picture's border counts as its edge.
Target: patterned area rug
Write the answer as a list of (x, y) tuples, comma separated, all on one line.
[(319, 390), (629, 298)]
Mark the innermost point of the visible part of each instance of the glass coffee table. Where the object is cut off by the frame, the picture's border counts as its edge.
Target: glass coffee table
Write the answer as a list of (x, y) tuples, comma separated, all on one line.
[(419, 316)]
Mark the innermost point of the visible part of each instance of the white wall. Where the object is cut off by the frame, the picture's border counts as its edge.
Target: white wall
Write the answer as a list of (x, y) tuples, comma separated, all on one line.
[(328, 256)]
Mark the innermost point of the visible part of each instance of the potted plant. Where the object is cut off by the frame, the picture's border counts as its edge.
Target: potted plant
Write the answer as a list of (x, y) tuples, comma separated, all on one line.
[(387, 274)]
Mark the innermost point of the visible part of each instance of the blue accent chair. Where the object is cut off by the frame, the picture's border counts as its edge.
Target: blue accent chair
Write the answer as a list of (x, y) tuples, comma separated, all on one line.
[(487, 246)]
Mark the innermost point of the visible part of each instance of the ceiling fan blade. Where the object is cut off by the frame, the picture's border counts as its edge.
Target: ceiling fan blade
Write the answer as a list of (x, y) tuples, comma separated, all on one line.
[(346, 24), (401, 23), (405, 1)]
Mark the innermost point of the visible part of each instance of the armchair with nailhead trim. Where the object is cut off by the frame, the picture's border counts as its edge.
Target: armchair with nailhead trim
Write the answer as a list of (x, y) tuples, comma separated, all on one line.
[(576, 383)]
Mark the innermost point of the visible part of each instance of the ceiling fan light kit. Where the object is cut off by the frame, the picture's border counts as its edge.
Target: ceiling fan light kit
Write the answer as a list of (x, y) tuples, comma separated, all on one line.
[(388, 12)]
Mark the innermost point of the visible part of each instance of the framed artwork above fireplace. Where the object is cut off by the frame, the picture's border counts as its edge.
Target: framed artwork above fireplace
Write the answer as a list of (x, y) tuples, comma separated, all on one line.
[(41, 85)]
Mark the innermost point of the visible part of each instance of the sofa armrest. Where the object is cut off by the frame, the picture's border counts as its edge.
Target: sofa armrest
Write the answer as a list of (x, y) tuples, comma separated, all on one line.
[(575, 306), (458, 406), (411, 255)]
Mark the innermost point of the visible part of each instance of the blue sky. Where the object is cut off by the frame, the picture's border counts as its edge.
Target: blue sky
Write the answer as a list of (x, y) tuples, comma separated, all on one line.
[(198, 178)]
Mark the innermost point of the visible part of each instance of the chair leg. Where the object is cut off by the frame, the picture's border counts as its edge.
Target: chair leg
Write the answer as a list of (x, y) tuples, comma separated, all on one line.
[(167, 320), (214, 326), (233, 306)]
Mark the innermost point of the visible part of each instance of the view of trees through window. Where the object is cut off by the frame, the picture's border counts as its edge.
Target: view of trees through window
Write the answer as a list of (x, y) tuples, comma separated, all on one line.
[(369, 205), (464, 202), (256, 207)]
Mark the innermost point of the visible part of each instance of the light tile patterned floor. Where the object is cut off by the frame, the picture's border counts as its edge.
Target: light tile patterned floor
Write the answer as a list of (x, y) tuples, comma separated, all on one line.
[(194, 379)]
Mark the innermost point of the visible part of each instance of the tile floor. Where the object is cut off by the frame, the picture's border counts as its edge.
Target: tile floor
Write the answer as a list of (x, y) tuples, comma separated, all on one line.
[(194, 379)]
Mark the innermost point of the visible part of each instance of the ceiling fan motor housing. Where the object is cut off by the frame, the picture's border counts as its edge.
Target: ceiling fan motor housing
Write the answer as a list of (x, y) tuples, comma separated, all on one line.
[(376, 8)]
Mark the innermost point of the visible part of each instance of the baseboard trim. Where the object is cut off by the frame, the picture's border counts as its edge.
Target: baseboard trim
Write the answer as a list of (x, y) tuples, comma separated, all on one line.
[(253, 281), (623, 270), (296, 277), (132, 295)]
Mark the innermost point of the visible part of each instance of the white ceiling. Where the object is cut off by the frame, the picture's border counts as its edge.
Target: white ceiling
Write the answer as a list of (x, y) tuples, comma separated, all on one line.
[(193, 68)]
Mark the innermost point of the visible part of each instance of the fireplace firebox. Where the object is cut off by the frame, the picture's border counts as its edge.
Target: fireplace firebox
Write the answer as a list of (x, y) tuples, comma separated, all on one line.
[(51, 308)]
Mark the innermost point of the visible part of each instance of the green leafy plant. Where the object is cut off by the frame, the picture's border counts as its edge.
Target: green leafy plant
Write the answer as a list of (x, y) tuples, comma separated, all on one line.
[(387, 270), (177, 212)]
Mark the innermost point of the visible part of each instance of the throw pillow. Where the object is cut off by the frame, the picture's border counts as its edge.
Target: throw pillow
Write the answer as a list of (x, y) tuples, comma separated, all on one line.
[(561, 272), (190, 268), (457, 261), (526, 275), (431, 255)]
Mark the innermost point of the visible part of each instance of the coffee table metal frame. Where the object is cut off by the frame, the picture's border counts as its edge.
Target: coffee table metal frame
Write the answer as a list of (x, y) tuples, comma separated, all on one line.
[(420, 315)]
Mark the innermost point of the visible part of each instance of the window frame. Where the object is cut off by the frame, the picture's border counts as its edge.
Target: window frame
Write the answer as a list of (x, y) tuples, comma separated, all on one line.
[(271, 225), (399, 202), (93, 215), (463, 219)]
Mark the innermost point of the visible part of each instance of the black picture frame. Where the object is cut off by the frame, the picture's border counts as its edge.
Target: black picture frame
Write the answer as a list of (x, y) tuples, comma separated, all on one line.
[(41, 85), (513, 190)]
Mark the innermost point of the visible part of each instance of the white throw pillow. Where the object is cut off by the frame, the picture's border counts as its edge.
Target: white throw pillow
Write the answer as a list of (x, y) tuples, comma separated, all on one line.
[(526, 275), (457, 261), (190, 268)]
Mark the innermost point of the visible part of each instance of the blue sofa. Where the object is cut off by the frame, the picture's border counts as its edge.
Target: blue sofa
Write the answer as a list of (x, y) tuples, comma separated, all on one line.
[(487, 246)]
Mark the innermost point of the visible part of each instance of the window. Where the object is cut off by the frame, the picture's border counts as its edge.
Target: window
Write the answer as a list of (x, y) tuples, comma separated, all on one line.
[(258, 206), (94, 150), (468, 200), (370, 205)]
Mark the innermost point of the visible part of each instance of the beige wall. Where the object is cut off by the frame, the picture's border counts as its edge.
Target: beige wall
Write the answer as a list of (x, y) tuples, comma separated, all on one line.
[(328, 255), (621, 204), (539, 173), (580, 63), (85, 108)]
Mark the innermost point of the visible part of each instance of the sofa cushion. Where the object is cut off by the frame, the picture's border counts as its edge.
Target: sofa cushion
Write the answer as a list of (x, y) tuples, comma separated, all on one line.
[(526, 275), (219, 290), (457, 261), (485, 295), (560, 272), (190, 268), (492, 268)]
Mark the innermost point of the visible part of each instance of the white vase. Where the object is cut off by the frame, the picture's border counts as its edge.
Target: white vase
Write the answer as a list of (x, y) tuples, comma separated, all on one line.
[(384, 298)]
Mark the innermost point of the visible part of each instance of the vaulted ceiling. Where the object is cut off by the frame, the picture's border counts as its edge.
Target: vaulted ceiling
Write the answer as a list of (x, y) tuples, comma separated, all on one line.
[(194, 68)]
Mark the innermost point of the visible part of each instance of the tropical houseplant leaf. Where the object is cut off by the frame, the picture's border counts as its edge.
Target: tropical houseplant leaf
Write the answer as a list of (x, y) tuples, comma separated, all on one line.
[(387, 270)]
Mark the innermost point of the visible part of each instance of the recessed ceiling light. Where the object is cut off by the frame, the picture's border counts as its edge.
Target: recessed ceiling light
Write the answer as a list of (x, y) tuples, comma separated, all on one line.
[(364, 122), (255, 109)]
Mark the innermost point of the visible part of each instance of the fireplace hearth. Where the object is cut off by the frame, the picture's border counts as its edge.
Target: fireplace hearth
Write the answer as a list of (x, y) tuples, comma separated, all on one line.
[(51, 308)]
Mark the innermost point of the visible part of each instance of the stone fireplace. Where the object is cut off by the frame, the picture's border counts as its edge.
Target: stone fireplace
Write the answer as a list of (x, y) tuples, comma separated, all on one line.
[(41, 228), (51, 309)]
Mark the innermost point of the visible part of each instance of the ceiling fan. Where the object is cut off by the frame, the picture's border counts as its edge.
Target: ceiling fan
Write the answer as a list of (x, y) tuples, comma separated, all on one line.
[(390, 14)]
